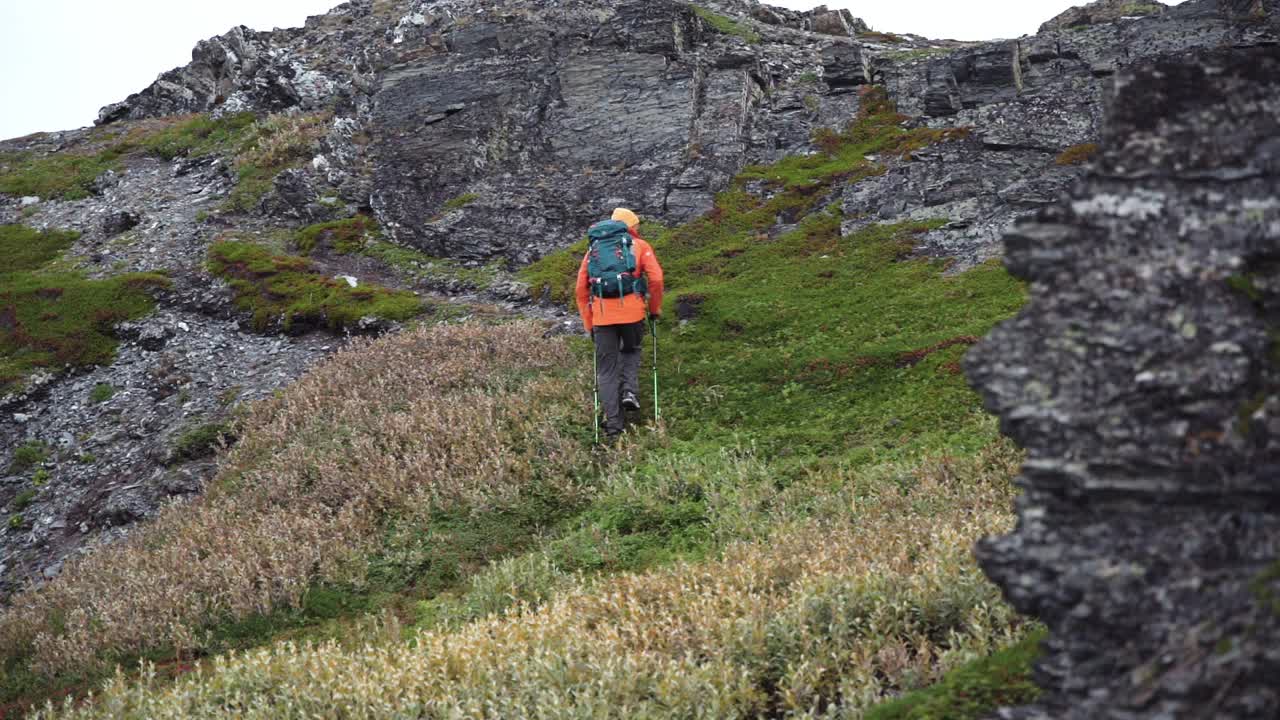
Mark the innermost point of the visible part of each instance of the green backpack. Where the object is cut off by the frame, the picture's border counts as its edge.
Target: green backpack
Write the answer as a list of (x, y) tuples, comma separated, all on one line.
[(611, 261)]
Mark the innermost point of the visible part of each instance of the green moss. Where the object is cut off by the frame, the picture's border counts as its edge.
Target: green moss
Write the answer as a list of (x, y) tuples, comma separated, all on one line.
[(69, 174), (459, 202), (16, 522), (974, 690), (430, 269), (25, 248), (252, 184), (200, 136), (726, 25), (555, 276), (343, 237), (202, 440), (40, 478), (1246, 285), (270, 146), (65, 176), (23, 500), (27, 456), (1134, 9), (101, 393), (285, 289), (52, 319)]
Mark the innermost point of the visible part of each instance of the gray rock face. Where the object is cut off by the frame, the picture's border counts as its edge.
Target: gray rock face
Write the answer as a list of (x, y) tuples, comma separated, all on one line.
[(1142, 380), (1103, 11)]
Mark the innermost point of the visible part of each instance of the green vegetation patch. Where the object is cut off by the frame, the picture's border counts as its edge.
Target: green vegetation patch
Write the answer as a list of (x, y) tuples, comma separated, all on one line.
[(274, 144), (101, 393), (725, 24), (809, 343), (200, 136), (23, 500), (344, 237), (460, 202), (286, 289), (431, 269), (974, 690), (53, 318), (203, 440), (28, 455), (65, 176), (69, 174), (25, 248), (884, 37)]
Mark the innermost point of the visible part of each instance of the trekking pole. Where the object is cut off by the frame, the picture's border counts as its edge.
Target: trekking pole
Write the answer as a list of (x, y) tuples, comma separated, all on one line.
[(653, 330), (595, 380)]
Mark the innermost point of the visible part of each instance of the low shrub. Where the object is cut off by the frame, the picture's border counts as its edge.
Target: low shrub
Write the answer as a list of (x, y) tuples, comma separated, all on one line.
[(274, 144), (202, 440), (303, 497), (23, 499), (818, 614), (975, 690), (28, 455), (101, 393)]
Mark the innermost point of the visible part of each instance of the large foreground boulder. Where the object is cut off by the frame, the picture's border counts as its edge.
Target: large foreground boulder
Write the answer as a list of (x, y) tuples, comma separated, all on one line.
[(1143, 381)]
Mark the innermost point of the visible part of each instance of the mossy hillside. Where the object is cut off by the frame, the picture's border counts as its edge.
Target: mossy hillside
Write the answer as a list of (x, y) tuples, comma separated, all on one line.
[(69, 174), (53, 318), (812, 344), (287, 290)]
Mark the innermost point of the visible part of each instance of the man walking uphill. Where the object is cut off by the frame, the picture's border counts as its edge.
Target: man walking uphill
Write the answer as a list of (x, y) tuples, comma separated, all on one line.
[(617, 274)]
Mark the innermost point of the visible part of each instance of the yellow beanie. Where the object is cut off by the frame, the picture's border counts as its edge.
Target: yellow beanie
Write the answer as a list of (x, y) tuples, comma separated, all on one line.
[(624, 215)]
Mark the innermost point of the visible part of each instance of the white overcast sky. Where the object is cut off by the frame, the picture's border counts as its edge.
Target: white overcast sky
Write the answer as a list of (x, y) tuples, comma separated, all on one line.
[(62, 60)]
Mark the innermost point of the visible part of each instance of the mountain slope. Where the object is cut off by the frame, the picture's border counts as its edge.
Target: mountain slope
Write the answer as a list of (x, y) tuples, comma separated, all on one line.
[(829, 265)]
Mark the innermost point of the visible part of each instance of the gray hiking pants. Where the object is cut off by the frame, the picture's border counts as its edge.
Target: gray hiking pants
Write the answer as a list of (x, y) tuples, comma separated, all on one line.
[(617, 369)]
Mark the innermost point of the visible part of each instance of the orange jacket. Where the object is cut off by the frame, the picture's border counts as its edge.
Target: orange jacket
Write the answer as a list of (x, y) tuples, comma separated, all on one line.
[(628, 309)]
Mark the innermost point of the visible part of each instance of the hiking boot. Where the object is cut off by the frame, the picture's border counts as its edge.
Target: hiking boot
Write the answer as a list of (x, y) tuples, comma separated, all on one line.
[(630, 401)]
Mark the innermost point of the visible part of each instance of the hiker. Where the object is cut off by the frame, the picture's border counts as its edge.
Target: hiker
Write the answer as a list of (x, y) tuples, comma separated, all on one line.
[(617, 273)]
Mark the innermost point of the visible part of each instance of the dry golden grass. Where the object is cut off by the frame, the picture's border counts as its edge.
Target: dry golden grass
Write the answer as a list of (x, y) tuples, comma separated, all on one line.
[(821, 618), (302, 497)]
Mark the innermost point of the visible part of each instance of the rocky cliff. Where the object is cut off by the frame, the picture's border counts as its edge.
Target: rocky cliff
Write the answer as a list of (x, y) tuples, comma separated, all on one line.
[(1142, 380), (479, 135)]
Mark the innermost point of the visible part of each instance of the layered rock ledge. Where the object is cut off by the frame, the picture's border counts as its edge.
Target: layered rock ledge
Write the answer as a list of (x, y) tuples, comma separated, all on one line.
[(1143, 381)]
